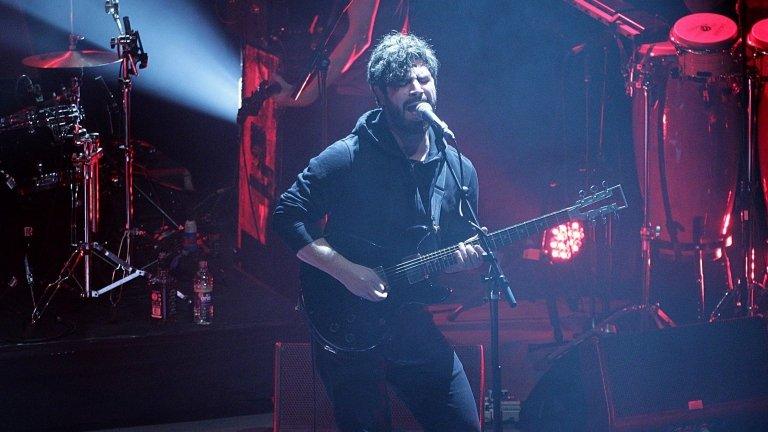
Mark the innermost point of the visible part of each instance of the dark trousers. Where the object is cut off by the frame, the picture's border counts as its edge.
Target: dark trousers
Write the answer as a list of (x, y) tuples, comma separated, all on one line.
[(437, 391)]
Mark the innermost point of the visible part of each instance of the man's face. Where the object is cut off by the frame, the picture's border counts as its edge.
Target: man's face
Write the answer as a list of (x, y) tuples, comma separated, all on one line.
[(399, 100)]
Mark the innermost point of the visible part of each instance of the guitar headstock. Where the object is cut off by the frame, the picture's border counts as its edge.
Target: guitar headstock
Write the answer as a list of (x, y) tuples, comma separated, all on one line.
[(600, 203)]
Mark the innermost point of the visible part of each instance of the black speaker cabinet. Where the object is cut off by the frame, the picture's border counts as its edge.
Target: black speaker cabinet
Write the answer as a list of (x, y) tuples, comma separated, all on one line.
[(301, 403), (704, 373)]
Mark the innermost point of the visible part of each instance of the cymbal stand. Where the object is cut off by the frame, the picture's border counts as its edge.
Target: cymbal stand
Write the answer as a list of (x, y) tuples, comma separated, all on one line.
[(130, 51), (132, 58)]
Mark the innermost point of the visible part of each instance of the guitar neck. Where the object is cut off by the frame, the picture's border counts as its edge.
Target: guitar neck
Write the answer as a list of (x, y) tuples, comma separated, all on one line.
[(506, 236), (442, 259)]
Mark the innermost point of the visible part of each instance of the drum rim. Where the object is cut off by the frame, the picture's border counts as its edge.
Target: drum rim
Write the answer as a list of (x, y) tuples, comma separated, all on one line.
[(681, 42), (759, 44), (658, 49)]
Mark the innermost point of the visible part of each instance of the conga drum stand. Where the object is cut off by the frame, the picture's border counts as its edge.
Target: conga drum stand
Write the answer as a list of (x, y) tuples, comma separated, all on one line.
[(649, 313), (746, 289), (648, 232)]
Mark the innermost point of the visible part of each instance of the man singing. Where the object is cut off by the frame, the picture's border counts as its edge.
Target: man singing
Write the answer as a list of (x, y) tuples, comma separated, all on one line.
[(375, 184)]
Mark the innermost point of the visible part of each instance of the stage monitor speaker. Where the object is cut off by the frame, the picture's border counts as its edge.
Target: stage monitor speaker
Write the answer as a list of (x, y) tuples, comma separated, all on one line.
[(301, 403), (681, 376)]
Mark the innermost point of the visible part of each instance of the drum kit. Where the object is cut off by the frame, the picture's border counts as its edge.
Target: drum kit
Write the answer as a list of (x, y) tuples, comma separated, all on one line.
[(698, 99), (70, 160)]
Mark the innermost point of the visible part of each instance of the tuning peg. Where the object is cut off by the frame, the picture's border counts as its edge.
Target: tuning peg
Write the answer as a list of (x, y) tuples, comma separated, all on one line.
[(582, 194), (604, 184), (593, 189)]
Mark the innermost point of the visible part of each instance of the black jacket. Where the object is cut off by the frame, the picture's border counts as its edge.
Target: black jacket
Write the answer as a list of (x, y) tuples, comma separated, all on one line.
[(368, 187)]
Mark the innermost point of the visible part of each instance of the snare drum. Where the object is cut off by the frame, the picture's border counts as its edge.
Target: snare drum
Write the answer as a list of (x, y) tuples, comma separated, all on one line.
[(704, 43), (757, 40)]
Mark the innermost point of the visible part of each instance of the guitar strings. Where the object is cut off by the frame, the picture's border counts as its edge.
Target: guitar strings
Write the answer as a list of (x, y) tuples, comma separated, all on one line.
[(413, 263), (399, 271)]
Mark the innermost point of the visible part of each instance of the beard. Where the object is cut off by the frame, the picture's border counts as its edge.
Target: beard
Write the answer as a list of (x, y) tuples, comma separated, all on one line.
[(397, 117)]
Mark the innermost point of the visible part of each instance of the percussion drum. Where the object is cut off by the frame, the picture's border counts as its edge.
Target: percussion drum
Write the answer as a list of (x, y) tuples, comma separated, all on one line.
[(704, 43), (34, 147), (757, 42), (31, 163), (693, 146)]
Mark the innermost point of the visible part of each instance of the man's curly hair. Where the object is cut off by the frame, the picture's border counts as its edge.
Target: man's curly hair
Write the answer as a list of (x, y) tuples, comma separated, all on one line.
[(393, 57)]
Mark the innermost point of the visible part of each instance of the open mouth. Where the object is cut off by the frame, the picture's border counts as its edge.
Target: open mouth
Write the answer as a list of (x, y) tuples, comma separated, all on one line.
[(411, 107)]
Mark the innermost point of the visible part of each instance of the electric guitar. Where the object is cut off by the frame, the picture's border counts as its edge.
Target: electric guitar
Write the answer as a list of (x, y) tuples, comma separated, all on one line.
[(342, 321)]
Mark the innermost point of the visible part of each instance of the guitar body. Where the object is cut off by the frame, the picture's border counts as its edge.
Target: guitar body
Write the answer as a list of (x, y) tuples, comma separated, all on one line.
[(343, 321)]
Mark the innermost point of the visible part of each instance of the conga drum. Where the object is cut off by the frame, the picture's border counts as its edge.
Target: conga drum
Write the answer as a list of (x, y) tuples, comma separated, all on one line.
[(757, 42), (704, 43), (694, 134)]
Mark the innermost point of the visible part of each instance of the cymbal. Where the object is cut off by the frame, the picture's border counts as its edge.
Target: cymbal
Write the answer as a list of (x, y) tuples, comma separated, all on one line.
[(71, 59)]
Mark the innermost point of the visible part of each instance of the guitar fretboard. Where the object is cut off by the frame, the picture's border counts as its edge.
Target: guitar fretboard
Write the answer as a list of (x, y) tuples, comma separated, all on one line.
[(442, 259)]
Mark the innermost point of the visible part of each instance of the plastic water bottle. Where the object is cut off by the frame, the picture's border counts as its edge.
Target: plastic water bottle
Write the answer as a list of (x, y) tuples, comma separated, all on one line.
[(203, 295)]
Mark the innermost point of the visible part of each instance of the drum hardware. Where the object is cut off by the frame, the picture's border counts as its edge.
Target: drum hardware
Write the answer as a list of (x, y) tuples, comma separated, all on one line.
[(748, 289), (687, 118), (37, 163), (87, 173), (58, 119), (85, 191), (644, 72), (132, 58)]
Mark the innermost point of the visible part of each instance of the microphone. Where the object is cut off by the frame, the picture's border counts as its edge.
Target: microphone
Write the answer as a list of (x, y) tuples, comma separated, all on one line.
[(428, 115), (111, 6)]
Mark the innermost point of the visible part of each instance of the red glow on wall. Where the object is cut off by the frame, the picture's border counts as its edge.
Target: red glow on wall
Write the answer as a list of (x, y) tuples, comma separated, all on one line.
[(256, 187), (358, 51)]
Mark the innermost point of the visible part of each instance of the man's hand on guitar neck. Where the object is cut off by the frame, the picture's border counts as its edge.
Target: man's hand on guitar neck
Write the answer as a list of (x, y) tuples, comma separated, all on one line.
[(359, 280), (468, 256)]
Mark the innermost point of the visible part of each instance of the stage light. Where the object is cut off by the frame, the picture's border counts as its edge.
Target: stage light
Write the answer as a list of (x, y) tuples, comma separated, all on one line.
[(190, 61), (563, 242)]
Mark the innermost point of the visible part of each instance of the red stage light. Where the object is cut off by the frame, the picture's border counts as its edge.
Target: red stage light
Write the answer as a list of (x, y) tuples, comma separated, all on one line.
[(564, 241)]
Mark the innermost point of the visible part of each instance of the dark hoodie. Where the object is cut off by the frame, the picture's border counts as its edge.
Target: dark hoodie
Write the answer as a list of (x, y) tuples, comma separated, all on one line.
[(368, 188)]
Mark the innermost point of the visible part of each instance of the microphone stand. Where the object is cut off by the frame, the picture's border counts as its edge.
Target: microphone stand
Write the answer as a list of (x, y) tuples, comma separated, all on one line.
[(496, 283), (319, 65)]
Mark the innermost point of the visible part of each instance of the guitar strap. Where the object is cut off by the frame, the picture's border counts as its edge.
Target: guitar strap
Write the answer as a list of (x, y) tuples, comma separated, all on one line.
[(438, 193)]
